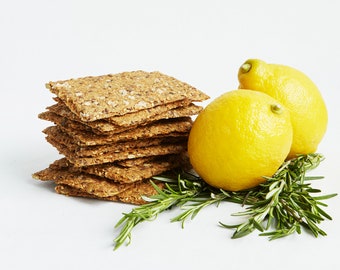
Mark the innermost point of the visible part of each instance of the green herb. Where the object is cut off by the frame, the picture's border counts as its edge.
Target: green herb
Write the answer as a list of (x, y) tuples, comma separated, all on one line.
[(284, 202)]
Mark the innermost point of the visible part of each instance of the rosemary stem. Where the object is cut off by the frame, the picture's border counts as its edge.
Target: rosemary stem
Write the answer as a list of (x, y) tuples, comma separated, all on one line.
[(283, 203)]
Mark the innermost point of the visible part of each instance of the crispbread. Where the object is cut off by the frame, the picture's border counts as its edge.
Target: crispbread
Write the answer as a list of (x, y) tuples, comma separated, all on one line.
[(92, 98), (117, 147), (61, 115), (90, 184), (143, 117), (131, 196), (127, 163), (132, 174), (117, 132), (121, 174), (135, 195), (65, 122), (159, 129), (156, 150), (73, 183), (124, 122)]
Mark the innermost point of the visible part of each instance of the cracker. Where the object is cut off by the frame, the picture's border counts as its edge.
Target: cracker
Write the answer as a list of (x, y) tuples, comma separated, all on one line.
[(134, 195), (60, 114), (143, 117), (121, 123), (90, 184), (96, 150), (131, 196), (127, 163), (120, 174), (65, 122), (133, 174), (157, 150), (159, 129), (83, 185), (92, 98), (82, 150)]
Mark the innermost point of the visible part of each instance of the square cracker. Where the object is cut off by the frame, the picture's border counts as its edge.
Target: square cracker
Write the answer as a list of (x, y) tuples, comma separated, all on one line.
[(156, 150), (126, 175), (143, 117), (158, 129), (66, 122), (84, 185), (92, 98), (131, 195), (63, 117), (96, 150), (90, 184)]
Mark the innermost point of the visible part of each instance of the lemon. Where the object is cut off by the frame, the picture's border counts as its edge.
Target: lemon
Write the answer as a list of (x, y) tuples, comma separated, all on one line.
[(297, 93), (238, 138)]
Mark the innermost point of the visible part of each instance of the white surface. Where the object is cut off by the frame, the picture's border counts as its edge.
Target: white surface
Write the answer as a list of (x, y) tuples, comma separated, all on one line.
[(200, 42)]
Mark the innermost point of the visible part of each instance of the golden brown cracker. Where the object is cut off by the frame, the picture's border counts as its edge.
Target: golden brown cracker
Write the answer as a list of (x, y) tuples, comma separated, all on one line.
[(142, 189), (156, 150), (133, 174), (55, 134), (171, 128), (90, 184), (143, 117), (117, 173), (127, 163), (64, 122), (92, 98), (59, 114), (132, 196)]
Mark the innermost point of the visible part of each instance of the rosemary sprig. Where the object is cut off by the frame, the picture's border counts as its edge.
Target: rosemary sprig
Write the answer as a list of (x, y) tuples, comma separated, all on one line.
[(283, 202), (175, 193)]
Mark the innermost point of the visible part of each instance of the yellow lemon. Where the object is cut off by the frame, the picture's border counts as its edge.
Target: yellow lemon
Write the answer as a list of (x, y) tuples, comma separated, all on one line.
[(297, 93), (238, 138)]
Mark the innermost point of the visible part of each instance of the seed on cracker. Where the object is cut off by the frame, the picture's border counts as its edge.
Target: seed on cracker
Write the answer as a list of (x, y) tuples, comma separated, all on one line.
[(116, 132), (133, 195), (60, 114), (92, 98), (159, 129), (157, 150)]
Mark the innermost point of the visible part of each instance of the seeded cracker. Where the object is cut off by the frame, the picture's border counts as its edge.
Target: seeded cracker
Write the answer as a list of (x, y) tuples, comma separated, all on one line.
[(84, 185), (97, 150), (158, 150), (59, 112), (102, 126), (93, 98), (117, 173), (116, 132), (167, 128), (131, 195)]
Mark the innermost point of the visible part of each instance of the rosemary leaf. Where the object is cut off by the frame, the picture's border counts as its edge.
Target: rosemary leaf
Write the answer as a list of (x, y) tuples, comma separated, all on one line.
[(283, 204)]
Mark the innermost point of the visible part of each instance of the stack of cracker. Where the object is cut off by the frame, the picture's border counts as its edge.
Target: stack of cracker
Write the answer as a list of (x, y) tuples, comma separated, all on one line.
[(116, 132)]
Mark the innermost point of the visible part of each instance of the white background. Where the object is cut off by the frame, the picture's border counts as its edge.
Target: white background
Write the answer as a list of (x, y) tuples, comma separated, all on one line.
[(200, 42)]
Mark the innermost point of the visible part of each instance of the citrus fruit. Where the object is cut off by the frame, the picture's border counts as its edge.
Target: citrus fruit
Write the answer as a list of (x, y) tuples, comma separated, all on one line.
[(238, 138), (297, 93)]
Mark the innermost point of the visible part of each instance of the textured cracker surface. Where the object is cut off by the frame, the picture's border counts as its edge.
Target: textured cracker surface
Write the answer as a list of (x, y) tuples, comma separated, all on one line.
[(96, 150), (98, 97), (132, 195), (162, 128), (124, 175), (116, 132), (91, 184), (59, 113), (103, 127), (157, 150)]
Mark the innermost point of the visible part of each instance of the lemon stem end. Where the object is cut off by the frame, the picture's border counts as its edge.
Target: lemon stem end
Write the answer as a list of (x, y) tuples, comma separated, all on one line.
[(276, 108), (245, 67)]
